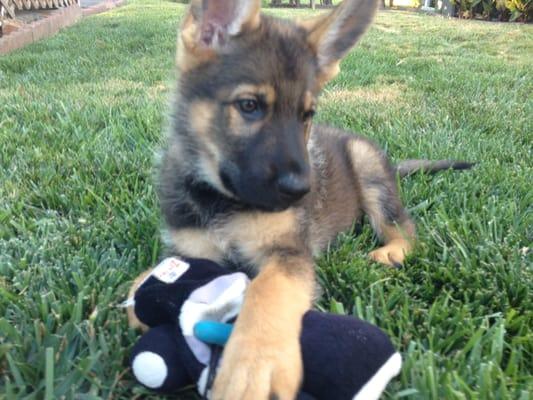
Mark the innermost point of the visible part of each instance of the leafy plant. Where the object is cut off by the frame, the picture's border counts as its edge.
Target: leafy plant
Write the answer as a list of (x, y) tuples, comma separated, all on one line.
[(503, 10), (521, 10)]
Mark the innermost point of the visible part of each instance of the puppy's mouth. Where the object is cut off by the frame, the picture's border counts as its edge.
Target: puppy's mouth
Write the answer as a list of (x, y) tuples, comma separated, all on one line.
[(227, 182)]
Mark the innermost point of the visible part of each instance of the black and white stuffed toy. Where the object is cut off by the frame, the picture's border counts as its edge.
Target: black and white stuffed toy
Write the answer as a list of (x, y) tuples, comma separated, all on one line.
[(183, 301)]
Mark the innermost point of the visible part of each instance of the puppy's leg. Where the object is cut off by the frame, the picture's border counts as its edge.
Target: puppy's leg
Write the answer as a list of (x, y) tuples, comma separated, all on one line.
[(262, 359), (398, 239), (380, 201), (133, 321)]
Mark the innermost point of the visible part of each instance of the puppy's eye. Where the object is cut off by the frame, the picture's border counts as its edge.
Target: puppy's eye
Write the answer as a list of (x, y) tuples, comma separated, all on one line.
[(248, 106), (307, 115), (250, 109)]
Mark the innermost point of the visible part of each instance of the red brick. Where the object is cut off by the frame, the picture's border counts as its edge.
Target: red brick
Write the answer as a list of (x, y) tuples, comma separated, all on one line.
[(16, 40), (40, 29), (55, 22)]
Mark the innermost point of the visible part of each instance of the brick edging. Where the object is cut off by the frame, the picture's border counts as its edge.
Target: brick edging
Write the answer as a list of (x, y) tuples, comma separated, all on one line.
[(40, 29), (49, 26)]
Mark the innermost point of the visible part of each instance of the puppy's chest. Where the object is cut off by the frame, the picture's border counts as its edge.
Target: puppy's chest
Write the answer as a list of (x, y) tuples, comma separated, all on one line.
[(202, 243), (242, 240)]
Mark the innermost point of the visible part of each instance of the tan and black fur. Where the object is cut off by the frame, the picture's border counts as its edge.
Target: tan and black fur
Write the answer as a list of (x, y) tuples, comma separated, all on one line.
[(247, 180)]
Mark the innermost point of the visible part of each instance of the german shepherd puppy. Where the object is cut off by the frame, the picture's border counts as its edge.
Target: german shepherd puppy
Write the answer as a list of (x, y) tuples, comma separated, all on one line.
[(246, 179)]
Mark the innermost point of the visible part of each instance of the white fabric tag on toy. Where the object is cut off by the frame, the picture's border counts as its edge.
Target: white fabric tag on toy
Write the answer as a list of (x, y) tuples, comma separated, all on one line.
[(167, 271), (127, 303), (170, 270)]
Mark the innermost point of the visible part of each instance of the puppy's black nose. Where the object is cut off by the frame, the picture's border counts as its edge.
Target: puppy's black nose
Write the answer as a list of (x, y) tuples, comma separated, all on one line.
[(293, 186)]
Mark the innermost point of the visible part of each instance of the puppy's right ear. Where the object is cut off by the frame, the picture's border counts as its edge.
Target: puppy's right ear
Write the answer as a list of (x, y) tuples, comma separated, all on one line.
[(332, 35), (209, 27)]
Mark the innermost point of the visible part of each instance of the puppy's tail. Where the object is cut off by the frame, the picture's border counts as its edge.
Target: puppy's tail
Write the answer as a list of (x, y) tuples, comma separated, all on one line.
[(409, 167)]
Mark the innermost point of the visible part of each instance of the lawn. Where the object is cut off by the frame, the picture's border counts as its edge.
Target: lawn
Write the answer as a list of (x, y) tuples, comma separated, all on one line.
[(81, 115)]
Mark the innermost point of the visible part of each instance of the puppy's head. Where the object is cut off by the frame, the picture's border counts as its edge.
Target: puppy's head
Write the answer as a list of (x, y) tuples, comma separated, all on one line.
[(248, 88)]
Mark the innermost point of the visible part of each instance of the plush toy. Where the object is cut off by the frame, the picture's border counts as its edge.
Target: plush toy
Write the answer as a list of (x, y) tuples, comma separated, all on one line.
[(183, 301)]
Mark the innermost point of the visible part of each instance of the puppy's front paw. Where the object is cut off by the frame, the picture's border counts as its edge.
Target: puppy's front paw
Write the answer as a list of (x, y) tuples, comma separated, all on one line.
[(392, 254), (258, 367), (262, 359)]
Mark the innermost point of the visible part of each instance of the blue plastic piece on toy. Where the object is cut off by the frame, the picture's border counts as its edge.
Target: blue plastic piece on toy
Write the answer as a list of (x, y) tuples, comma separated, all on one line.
[(212, 332)]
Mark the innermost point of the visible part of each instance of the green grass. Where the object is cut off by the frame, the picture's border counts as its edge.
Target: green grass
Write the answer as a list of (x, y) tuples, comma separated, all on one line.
[(81, 115)]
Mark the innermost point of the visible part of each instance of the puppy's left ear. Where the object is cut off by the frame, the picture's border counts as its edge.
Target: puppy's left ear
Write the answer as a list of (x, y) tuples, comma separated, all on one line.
[(222, 19), (210, 26), (334, 34)]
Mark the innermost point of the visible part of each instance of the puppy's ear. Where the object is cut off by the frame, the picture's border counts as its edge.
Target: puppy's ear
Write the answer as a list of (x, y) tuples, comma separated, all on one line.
[(209, 27), (333, 35)]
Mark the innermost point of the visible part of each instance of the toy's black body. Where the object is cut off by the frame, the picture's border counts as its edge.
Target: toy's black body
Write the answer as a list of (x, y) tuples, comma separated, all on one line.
[(343, 357), (340, 349), (168, 344)]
